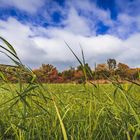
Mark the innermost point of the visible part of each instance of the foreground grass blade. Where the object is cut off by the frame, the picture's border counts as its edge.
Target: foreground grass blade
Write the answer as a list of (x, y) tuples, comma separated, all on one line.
[(74, 54), (9, 52), (60, 119), (61, 122), (80, 62), (8, 45)]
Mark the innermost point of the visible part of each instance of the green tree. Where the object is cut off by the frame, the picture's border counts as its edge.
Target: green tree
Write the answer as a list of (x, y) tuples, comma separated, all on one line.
[(111, 64)]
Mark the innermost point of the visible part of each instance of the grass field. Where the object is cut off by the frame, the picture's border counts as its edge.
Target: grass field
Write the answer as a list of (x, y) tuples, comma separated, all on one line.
[(36, 111), (68, 111)]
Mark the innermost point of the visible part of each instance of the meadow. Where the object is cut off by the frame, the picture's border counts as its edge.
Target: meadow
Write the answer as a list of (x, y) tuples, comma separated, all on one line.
[(69, 111), (89, 111)]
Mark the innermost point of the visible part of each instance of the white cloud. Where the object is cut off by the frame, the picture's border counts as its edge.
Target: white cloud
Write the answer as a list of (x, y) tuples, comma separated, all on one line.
[(52, 49), (92, 12), (26, 5), (130, 7), (77, 24), (125, 25), (131, 53), (78, 14), (19, 36), (96, 48)]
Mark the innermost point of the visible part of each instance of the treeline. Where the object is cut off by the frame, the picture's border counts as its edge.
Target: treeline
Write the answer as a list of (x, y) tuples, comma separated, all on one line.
[(47, 73)]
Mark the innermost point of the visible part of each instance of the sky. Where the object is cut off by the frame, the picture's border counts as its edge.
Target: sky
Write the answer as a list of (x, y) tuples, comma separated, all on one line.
[(38, 29)]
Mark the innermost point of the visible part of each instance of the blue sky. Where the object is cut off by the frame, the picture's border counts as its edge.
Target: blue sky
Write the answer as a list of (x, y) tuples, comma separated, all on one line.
[(105, 28)]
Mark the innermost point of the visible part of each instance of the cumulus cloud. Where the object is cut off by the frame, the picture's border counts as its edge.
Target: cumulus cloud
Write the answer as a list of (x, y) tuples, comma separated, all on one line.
[(125, 26), (30, 6), (82, 17), (35, 48), (130, 7), (77, 24), (128, 19), (19, 36), (94, 13), (78, 14)]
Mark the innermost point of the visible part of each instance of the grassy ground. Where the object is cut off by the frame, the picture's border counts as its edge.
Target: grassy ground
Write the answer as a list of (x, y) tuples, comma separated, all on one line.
[(67, 111), (75, 112)]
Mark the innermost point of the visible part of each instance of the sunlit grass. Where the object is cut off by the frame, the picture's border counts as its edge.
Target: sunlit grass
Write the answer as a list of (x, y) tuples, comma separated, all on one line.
[(86, 114)]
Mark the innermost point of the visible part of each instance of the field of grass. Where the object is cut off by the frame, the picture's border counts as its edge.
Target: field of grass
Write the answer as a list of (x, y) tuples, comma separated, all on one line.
[(36, 111), (68, 111)]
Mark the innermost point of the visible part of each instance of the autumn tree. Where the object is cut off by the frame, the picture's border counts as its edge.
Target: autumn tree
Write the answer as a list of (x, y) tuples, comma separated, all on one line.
[(133, 74), (122, 67), (101, 71), (14, 73), (47, 73), (86, 71), (101, 67), (121, 70), (68, 75)]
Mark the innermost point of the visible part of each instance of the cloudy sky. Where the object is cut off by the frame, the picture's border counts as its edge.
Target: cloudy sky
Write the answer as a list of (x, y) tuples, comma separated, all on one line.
[(38, 28)]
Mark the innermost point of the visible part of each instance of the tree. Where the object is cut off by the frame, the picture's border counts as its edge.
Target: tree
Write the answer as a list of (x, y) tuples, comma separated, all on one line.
[(101, 71), (79, 76), (86, 68), (101, 67), (15, 73), (111, 64), (123, 67), (47, 73), (68, 75), (122, 70), (133, 74)]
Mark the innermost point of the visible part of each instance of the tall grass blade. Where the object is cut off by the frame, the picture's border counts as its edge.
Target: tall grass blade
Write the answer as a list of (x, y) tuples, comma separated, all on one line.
[(8, 45), (61, 122)]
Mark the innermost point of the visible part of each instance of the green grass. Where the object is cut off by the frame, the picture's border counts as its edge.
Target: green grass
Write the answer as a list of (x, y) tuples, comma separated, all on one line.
[(86, 112)]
